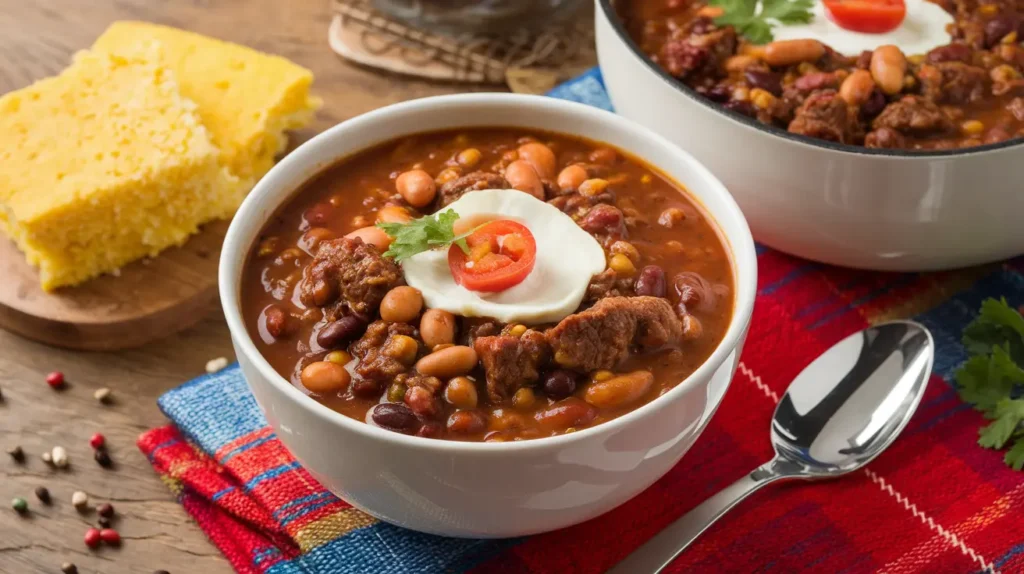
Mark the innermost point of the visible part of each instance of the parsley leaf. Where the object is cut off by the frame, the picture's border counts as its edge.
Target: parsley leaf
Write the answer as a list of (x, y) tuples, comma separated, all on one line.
[(423, 234), (754, 19), (992, 379)]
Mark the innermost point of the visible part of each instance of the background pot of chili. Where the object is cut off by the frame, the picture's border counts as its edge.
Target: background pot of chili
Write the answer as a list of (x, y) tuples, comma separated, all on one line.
[(834, 201)]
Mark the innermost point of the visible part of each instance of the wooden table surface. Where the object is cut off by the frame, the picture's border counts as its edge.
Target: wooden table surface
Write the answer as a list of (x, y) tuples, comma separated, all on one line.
[(37, 37)]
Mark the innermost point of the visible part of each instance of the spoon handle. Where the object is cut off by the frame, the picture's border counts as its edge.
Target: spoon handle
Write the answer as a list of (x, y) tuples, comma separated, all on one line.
[(660, 550)]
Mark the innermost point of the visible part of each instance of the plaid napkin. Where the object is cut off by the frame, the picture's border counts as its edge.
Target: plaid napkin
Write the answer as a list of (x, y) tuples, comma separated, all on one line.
[(934, 502)]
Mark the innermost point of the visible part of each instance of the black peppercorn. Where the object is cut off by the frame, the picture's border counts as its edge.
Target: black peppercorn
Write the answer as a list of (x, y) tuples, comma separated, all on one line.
[(43, 494), (103, 458)]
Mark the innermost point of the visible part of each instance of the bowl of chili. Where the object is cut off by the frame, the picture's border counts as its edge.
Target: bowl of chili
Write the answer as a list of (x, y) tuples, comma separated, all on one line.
[(455, 450), (876, 159)]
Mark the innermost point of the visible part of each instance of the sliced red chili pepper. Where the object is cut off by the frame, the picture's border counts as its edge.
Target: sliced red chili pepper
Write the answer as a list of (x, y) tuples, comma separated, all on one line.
[(501, 255), (869, 16)]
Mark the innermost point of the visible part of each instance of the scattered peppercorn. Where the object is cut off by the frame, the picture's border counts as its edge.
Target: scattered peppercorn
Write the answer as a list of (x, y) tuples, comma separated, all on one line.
[(43, 495), (161, 572), (59, 456), (92, 537), (19, 504), (105, 510), (55, 380), (104, 522), (68, 568), (102, 395), (97, 441), (103, 458), (110, 536), (47, 458), (79, 500), (17, 454)]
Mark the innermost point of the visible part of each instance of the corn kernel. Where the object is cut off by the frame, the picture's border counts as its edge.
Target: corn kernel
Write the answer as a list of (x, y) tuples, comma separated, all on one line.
[(988, 9), (461, 139), (524, 398), (592, 187), (602, 375), (403, 348), (563, 358), (646, 178), (972, 127), (468, 158), (517, 331), (626, 248), (269, 246), (1010, 38), (338, 357), (761, 98), (807, 68), (916, 59), (622, 265), (446, 175)]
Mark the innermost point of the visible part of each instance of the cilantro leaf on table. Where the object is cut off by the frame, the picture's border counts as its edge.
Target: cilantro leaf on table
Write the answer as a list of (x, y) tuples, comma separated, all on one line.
[(754, 19), (423, 234), (992, 379)]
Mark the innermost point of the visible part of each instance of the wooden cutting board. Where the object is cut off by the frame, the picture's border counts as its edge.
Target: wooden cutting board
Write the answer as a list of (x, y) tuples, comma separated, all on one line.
[(151, 298)]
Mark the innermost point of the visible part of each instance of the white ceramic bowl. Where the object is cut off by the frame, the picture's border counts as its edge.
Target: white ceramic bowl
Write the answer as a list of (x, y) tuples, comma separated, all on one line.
[(488, 489), (839, 204)]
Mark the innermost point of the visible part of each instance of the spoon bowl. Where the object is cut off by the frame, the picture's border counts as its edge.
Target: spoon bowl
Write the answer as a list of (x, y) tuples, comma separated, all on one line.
[(840, 412)]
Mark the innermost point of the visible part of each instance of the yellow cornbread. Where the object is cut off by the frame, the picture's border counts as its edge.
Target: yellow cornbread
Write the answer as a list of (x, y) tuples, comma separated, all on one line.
[(104, 164), (246, 99)]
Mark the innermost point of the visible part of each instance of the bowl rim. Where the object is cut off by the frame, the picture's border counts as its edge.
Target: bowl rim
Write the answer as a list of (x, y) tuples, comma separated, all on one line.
[(607, 11), (247, 222)]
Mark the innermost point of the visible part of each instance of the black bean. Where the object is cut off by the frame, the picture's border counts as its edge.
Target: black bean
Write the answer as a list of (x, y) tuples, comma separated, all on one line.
[(394, 416), (560, 384), (650, 282), (874, 105), (767, 81), (998, 27), (340, 331)]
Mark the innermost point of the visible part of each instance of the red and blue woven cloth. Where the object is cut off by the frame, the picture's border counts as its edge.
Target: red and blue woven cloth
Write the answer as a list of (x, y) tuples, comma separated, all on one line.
[(934, 502)]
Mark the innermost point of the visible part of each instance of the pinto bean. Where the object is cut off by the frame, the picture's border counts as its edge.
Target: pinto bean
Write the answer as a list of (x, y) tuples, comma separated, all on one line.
[(857, 87), (448, 362), (417, 187), (372, 236), (619, 390), (789, 52), (394, 214), (739, 62), (571, 177), (437, 327), (888, 65), (401, 304), (521, 175), (565, 413), (324, 377), (540, 157)]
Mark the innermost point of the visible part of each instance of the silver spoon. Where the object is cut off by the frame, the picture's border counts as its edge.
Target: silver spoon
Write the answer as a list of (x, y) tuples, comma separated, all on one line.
[(843, 410)]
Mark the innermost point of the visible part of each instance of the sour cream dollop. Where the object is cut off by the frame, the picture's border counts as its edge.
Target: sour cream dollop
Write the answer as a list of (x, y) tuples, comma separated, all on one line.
[(923, 28), (567, 258)]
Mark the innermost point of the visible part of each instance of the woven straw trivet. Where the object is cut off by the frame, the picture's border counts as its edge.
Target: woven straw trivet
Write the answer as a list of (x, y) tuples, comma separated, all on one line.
[(526, 62)]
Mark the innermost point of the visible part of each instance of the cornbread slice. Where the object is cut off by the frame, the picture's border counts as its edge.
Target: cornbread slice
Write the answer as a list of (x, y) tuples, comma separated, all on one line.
[(246, 99), (104, 164)]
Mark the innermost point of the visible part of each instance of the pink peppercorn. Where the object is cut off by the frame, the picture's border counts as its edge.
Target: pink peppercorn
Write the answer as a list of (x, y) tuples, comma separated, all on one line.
[(55, 379), (92, 537), (97, 441), (110, 536)]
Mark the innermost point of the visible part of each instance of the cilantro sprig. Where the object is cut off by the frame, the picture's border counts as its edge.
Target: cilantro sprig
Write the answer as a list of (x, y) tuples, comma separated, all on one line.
[(423, 234), (992, 379), (754, 19)]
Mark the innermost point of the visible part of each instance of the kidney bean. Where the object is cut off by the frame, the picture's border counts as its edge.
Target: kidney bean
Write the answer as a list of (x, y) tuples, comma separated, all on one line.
[(950, 53), (466, 422), (740, 107), (276, 321), (650, 282), (998, 27), (815, 81), (603, 218), (559, 384), (366, 388), (395, 417), (619, 390), (874, 105), (565, 413), (768, 81), (335, 333), (448, 362), (719, 93)]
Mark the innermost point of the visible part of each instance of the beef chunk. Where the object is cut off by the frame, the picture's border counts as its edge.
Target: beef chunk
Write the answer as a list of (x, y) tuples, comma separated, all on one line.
[(374, 361), (511, 362), (421, 395), (955, 52), (681, 57), (826, 116), (953, 82), (604, 335), (348, 274), (705, 49), (475, 328), (885, 138), (475, 181), (913, 115), (607, 284)]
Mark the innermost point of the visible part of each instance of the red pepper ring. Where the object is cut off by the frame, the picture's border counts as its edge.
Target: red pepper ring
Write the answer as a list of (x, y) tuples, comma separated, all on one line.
[(501, 255)]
